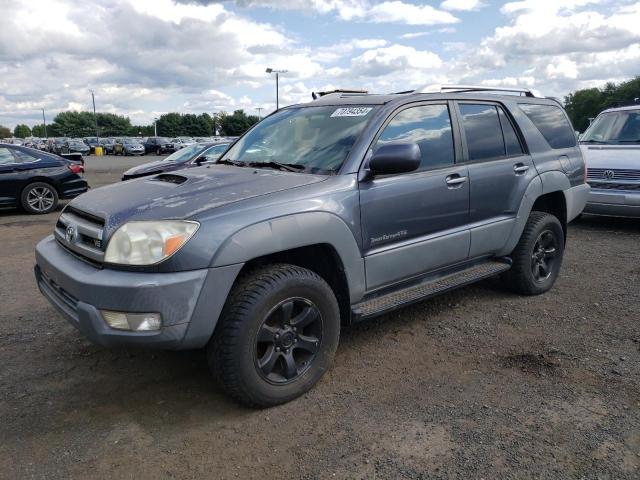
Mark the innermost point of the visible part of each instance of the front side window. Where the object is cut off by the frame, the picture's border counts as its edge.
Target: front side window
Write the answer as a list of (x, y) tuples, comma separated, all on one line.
[(552, 124), (615, 127), (429, 126), (184, 154), (316, 139), (483, 131), (214, 152)]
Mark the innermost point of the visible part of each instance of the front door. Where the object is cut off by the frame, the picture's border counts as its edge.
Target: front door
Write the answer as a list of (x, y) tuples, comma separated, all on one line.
[(415, 222), (10, 176)]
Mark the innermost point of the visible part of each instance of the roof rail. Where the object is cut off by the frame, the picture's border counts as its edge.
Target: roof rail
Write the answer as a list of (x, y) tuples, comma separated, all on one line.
[(439, 88), (316, 95)]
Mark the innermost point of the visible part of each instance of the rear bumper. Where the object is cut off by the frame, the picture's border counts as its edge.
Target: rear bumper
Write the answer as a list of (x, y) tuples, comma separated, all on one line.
[(576, 199), (189, 302), (617, 203)]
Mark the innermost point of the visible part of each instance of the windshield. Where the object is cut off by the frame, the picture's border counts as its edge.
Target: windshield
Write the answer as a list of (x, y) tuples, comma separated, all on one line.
[(317, 139), (184, 154), (615, 127)]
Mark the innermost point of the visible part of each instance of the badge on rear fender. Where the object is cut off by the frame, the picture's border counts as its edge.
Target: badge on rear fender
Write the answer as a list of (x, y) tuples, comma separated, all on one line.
[(351, 112)]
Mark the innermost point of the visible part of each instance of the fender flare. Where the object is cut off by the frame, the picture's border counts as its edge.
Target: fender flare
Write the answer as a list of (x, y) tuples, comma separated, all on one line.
[(547, 182), (295, 231)]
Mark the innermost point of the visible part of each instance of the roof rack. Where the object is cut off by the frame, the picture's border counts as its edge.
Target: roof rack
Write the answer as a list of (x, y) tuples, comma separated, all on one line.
[(316, 95), (439, 88)]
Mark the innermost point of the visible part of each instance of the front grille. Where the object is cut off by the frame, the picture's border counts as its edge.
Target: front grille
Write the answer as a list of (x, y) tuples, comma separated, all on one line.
[(613, 174), (81, 233), (615, 186)]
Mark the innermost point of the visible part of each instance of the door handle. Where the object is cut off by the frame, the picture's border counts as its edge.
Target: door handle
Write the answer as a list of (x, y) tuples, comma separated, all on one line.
[(520, 168), (455, 180)]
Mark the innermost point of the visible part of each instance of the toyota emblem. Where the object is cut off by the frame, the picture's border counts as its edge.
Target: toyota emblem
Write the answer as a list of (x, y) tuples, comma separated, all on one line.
[(608, 174), (70, 234)]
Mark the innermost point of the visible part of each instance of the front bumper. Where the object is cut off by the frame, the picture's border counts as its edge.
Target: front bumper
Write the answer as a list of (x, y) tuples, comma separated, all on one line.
[(189, 302), (616, 203)]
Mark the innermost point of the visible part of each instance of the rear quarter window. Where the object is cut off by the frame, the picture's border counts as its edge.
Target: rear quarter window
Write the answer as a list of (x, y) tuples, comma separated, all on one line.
[(552, 124)]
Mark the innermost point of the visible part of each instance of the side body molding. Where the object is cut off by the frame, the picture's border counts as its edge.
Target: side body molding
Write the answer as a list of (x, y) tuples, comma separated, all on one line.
[(294, 231)]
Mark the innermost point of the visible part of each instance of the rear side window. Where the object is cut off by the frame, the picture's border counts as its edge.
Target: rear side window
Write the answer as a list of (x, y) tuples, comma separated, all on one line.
[(6, 157), (430, 127), (511, 142), (483, 131), (24, 157), (552, 123)]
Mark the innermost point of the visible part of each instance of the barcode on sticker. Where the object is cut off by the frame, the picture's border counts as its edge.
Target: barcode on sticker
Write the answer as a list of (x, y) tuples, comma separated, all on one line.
[(351, 112)]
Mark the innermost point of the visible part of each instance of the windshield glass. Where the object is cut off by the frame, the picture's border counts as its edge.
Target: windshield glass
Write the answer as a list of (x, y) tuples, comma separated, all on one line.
[(184, 154), (316, 138), (615, 127)]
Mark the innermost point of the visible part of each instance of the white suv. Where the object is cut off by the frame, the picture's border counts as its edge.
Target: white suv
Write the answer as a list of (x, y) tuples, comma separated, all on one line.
[(611, 149)]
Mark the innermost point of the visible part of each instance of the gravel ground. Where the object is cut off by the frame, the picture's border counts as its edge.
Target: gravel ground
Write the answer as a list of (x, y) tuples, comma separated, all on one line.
[(477, 383)]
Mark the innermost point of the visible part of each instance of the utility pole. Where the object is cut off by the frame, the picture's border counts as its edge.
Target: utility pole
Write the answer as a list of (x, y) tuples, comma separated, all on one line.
[(44, 121), (93, 99), (277, 72), (155, 127), (259, 109)]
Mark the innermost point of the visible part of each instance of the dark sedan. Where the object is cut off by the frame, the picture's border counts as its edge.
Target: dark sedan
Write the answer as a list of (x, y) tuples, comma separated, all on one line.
[(36, 180), (192, 156), (76, 146)]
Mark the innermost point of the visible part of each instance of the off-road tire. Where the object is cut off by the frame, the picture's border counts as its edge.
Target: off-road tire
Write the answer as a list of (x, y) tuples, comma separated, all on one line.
[(231, 353), (521, 277)]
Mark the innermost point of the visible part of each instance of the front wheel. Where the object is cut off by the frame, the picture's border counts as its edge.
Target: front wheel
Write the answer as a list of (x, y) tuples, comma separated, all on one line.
[(276, 337), (537, 257)]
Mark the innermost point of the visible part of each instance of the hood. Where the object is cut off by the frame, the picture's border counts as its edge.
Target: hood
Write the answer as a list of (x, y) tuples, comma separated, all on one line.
[(204, 188), (157, 166), (611, 156)]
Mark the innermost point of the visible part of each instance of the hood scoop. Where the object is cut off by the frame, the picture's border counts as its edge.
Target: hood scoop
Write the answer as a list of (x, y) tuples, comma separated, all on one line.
[(169, 178)]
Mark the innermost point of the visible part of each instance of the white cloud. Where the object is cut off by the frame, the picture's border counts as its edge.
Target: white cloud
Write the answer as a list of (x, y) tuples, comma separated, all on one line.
[(462, 5)]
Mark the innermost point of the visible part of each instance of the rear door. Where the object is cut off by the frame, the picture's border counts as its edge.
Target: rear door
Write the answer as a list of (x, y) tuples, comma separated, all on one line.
[(416, 222), (9, 177), (499, 172)]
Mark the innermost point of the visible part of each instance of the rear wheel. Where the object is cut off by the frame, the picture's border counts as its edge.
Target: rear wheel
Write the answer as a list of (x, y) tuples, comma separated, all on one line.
[(276, 337), (39, 198), (158, 151), (537, 257)]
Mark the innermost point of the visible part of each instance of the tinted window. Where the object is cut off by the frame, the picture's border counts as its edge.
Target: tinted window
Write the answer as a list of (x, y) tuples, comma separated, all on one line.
[(552, 123), (24, 157), (511, 142), (483, 132), (6, 157), (430, 127)]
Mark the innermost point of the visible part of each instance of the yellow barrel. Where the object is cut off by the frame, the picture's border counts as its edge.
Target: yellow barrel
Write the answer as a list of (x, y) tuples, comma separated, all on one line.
[(98, 151)]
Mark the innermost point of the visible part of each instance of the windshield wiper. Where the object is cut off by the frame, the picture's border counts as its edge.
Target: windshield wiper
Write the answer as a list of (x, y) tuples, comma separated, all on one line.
[(235, 163), (289, 167), (594, 141)]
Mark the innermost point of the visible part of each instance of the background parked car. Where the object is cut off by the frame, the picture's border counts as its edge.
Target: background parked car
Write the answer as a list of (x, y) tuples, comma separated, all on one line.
[(92, 142), (57, 145), (36, 180), (75, 146), (107, 145), (182, 142), (611, 149), (128, 146), (156, 145), (193, 156)]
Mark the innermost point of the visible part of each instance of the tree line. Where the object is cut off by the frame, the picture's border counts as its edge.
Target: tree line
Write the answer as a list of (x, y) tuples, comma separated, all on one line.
[(583, 105), (83, 124)]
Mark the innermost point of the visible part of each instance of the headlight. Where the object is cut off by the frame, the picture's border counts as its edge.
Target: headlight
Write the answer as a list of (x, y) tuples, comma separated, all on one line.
[(147, 243)]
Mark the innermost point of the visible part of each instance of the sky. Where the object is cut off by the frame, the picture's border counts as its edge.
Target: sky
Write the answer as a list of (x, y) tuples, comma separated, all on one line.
[(144, 58)]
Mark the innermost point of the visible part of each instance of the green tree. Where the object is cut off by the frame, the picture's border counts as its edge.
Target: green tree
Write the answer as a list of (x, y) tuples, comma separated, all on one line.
[(4, 132), (38, 130), (21, 131), (169, 125), (237, 123), (588, 103)]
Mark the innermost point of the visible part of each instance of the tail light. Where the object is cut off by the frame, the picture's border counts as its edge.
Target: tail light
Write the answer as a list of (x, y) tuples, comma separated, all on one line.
[(75, 168)]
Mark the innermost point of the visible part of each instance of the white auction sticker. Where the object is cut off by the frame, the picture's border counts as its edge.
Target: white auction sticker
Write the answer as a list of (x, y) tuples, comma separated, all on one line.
[(351, 112)]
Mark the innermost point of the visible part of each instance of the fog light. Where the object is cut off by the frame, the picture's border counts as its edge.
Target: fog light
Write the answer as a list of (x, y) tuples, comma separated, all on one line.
[(137, 322)]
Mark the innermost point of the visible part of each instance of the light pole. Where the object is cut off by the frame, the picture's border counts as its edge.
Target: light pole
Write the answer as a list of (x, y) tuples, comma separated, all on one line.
[(259, 109), (277, 72), (95, 117), (155, 127), (44, 122)]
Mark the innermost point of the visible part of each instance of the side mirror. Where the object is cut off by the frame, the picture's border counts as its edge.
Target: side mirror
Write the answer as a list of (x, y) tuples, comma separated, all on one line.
[(395, 158), (200, 160)]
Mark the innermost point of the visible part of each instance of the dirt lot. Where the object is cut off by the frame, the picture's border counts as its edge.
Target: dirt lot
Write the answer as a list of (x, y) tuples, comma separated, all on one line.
[(474, 384)]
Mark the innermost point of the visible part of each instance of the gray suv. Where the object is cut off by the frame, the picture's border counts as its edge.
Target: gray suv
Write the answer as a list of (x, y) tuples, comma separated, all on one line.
[(323, 214)]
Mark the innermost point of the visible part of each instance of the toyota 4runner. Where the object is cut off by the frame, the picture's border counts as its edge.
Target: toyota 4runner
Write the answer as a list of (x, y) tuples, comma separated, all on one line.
[(322, 214)]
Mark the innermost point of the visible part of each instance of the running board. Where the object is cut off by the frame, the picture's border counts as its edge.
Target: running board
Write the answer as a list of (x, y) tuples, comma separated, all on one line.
[(415, 293)]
